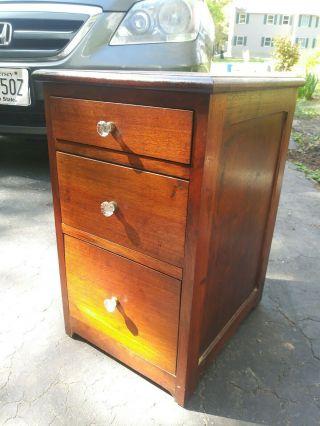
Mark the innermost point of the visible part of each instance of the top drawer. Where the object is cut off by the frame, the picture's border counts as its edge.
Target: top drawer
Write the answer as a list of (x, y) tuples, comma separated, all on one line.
[(143, 130)]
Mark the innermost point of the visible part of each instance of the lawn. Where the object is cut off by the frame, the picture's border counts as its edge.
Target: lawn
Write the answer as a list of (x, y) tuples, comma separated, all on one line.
[(306, 134)]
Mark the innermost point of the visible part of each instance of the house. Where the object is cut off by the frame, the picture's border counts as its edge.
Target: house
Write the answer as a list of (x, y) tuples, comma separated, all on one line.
[(254, 24)]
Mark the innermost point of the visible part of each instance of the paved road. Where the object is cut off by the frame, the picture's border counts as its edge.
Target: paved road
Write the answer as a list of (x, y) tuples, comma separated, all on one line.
[(268, 374)]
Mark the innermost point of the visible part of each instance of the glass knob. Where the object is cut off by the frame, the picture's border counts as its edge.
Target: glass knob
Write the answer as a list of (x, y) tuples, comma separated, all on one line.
[(111, 304), (108, 208), (105, 128)]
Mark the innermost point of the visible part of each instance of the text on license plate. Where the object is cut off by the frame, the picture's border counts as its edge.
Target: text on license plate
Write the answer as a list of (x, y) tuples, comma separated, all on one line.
[(14, 86)]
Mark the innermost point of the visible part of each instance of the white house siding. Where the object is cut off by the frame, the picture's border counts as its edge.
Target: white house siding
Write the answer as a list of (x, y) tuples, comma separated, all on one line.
[(310, 33), (256, 30)]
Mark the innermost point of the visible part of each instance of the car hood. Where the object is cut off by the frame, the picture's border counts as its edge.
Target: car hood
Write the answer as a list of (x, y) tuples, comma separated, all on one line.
[(107, 5)]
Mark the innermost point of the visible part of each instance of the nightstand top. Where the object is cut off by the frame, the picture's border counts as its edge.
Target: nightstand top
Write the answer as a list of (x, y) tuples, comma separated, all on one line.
[(167, 80)]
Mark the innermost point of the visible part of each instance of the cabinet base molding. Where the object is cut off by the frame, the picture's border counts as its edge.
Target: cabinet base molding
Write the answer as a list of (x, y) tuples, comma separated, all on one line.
[(125, 356), (229, 329)]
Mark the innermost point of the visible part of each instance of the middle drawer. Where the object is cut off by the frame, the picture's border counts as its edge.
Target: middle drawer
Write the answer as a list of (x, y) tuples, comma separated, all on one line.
[(151, 209)]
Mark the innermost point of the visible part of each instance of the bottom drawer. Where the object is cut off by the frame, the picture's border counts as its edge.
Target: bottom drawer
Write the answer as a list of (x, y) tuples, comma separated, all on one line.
[(146, 310)]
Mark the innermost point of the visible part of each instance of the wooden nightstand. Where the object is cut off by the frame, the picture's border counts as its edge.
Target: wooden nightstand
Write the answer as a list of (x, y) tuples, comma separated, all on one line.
[(165, 193)]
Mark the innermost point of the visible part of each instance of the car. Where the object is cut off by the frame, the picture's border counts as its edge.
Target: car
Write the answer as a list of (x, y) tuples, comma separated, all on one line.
[(93, 34)]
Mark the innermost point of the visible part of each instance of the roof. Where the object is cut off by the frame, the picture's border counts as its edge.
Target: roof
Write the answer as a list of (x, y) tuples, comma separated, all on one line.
[(285, 7)]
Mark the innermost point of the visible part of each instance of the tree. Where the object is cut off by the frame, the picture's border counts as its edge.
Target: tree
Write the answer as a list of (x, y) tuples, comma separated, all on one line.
[(285, 53), (216, 8)]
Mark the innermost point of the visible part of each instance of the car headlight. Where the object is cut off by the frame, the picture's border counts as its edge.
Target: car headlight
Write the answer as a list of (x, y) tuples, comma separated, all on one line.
[(158, 21)]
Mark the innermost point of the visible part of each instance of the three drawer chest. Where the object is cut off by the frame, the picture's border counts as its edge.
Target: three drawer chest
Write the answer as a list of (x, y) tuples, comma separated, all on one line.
[(165, 190)]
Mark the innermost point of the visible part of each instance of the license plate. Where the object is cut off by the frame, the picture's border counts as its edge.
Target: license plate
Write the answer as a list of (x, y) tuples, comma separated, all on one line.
[(14, 87)]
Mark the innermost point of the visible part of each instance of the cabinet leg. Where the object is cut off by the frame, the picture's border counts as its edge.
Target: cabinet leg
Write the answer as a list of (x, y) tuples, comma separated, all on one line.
[(182, 395), (259, 297), (68, 329)]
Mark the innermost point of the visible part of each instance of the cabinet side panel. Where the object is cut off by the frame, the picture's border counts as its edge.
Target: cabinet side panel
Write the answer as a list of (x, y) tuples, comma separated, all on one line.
[(248, 155)]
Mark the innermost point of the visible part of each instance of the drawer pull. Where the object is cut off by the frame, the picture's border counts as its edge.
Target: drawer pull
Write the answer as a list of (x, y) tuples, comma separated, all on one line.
[(111, 304), (108, 208), (105, 128)]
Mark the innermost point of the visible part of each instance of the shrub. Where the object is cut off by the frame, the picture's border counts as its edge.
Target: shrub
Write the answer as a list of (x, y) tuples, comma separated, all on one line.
[(285, 53), (313, 61), (310, 86)]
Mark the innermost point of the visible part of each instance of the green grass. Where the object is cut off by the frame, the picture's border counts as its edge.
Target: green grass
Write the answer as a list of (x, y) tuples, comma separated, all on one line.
[(308, 109), (298, 138), (307, 142), (310, 174), (305, 110)]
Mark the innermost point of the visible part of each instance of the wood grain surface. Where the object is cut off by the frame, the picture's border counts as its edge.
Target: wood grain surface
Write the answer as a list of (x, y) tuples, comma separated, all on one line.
[(147, 316), (137, 256), (142, 130), (168, 80), (226, 262), (151, 212), (167, 168), (202, 211), (244, 187), (123, 354)]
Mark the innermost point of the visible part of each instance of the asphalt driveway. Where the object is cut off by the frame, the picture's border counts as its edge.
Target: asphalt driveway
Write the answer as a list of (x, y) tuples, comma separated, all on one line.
[(269, 373)]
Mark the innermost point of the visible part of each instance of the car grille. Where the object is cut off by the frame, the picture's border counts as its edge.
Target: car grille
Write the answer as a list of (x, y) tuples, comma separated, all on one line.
[(22, 116), (44, 32)]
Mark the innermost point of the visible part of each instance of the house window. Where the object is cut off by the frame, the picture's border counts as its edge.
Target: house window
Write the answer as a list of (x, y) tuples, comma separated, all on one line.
[(302, 42), (270, 19), (305, 20), (240, 41), (285, 20), (267, 42), (242, 18)]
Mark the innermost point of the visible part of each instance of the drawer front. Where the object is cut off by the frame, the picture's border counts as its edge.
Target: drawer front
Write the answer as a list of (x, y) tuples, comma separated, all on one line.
[(145, 318), (151, 209), (149, 131)]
